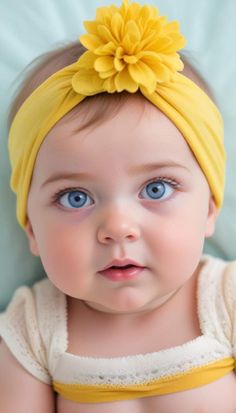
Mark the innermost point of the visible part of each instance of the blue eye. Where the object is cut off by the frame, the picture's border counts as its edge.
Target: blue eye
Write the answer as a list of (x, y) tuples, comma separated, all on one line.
[(157, 190), (74, 199)]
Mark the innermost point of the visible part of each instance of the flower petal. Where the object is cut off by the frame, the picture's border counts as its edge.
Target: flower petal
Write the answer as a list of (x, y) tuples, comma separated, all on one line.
[(109, 85), (148, 39), (132, 32), (171, 27), (154, 27), (169, 44), (143, 75), (104, 14), (119, 52), (130, 59), (104, 63), (127, 43), (107, 49), (119, 64), (155, 63), (148, 13), (91, 27), (133, 11), (117, 25), (86, 60), (173, 61), (162, 73), (106, 34), (109, 73), (149, 56), (123, 81), (178, 42), (90, 41)]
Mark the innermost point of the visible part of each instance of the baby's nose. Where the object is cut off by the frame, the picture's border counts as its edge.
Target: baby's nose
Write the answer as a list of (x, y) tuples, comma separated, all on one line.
[(118, 226)]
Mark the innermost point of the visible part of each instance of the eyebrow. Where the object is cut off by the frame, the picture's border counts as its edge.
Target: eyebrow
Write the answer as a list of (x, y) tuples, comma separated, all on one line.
[(149, 167), (136, 170)]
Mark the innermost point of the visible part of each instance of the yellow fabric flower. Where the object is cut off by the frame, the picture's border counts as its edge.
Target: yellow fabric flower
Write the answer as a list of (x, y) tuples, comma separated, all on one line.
[(128, 48)]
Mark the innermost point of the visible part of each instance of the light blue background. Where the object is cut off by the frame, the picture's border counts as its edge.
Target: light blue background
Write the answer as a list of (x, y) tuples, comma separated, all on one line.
[(31, 27)]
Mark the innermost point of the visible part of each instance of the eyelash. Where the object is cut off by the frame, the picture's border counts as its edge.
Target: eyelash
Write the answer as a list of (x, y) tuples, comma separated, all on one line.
[(170, 181), (56, 197)]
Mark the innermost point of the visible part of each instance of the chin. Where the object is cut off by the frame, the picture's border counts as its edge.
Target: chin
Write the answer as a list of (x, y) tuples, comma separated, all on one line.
[(128, 302)]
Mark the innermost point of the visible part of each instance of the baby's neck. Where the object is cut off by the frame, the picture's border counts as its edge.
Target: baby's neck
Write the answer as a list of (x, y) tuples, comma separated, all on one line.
[(173, 323)]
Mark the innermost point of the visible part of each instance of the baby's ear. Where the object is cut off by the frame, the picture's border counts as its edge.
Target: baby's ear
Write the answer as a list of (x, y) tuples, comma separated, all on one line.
[(211, 218), (31, 238)]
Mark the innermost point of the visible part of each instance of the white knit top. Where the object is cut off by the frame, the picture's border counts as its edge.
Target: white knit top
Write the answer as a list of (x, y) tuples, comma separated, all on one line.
[(34, 328)]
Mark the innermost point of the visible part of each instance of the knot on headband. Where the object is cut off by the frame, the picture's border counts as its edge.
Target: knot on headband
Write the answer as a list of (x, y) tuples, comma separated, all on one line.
[(128, 48)]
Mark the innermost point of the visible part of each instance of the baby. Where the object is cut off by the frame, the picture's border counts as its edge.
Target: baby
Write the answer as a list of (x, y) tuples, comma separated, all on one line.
[(118, 168)]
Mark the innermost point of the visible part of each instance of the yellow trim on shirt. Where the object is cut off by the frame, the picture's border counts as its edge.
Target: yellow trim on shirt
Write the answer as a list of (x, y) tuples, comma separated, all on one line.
[(190, 379)]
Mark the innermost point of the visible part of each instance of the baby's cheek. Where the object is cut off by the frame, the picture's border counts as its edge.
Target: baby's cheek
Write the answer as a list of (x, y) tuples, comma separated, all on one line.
[(53, 252), (59, 269), (66, 260), (178, 243)]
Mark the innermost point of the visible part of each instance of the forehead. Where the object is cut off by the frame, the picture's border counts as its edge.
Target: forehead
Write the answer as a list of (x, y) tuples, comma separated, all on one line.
[(138, 131)]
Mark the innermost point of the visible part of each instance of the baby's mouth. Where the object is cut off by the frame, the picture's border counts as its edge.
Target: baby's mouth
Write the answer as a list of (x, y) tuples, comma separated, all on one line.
[(122, 272)]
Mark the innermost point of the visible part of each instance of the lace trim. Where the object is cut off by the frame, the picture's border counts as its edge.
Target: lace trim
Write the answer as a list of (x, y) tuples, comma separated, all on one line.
[(139, 368)]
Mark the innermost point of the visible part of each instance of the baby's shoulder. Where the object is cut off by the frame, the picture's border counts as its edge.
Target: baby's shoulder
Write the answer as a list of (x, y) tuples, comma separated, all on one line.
[(228, 280), (217, 298), (218, 275), (34, 326), (38, 300)]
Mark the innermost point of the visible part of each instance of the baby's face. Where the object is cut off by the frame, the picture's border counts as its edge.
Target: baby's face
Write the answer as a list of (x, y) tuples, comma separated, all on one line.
[(129, 189)]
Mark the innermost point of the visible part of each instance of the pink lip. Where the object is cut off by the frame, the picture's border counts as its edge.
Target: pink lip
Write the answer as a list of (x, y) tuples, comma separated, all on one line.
[(122, 274), (114, 274), (122, 263)]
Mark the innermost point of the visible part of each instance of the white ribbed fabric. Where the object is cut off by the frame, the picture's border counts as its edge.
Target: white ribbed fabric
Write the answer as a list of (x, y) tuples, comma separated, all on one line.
[(34, 328)]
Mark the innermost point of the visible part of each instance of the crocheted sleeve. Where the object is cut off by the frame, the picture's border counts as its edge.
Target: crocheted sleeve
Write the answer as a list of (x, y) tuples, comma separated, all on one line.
[(28, 330)]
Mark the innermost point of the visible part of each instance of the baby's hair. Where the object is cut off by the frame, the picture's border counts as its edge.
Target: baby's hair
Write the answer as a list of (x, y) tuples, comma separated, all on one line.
[(104, 105)]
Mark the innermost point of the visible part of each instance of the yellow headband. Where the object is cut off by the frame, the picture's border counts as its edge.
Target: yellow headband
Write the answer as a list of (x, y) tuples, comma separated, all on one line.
[(129, 48)]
